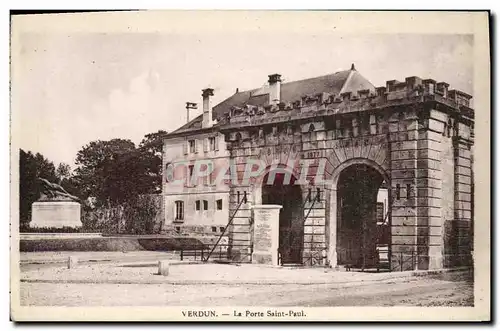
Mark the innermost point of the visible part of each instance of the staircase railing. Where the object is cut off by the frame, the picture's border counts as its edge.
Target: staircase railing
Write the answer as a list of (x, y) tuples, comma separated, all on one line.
[(242, 201), (308, 199), (413, 258)]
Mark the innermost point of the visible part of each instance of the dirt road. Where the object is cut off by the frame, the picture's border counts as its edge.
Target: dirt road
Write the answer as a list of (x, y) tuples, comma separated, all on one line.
[(439, 290)]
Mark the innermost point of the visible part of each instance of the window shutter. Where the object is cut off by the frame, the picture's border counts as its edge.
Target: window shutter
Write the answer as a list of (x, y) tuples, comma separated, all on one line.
[(205, 145), (217, 142), (210, 180), (186, 143)]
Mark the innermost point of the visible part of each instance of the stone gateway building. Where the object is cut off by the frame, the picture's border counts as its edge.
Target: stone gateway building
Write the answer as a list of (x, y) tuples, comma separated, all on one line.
[(411, 139)]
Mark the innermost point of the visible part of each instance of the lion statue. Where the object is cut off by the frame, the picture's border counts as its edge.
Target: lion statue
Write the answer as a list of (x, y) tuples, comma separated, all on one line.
[(52, 191)]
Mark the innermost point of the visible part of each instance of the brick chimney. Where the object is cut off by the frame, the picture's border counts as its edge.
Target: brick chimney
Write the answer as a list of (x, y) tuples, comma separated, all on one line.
[(274, 89), (207, 107), (189, 106)]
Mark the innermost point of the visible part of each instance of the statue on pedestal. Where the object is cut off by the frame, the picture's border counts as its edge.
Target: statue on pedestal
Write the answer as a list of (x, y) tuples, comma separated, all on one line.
[(54, 192), (56, 208)]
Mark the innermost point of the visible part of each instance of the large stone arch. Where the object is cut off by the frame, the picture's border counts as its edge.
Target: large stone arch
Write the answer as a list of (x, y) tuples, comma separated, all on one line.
[(257, 184), (332, 214), (374, 149)]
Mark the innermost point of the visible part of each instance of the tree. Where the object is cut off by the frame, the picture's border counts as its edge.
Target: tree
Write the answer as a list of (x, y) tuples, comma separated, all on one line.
[(63, 171), (96, 163), (32, 166), (151, 150), (115, 174)]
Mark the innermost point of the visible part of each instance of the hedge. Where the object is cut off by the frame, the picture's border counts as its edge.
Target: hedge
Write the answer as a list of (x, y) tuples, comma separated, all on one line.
[(110, 244)]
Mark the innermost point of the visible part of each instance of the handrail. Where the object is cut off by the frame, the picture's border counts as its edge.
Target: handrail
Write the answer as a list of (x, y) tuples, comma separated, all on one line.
[(413, 258), (316, 198), (312, 205), (244, 200)]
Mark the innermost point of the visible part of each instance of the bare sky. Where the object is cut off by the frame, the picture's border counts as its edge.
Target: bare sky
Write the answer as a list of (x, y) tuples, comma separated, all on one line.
[(72, 88)]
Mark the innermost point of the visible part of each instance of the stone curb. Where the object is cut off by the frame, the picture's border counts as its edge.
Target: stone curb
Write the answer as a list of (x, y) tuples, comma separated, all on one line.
[(386, 277)]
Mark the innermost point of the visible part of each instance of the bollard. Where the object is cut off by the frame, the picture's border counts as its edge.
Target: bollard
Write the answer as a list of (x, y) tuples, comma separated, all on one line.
[(163, 268), (72, 262)]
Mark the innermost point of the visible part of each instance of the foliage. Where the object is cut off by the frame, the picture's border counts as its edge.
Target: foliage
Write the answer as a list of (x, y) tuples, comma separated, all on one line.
[(63, 171), (139, 215), (64, 229), (95, 162), (114, 171), (111, 178), (32, 166), (151, 149)]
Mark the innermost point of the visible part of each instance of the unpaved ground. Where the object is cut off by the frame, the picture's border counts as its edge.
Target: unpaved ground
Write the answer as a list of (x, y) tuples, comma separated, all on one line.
[(192, 273), (440, 290)]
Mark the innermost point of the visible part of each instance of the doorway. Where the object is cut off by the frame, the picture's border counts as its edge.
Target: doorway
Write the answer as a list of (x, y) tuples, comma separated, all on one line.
[(291, 227), (360, 226)]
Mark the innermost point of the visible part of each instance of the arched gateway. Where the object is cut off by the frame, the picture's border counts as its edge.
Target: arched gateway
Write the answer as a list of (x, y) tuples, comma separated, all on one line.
[(348, 145)]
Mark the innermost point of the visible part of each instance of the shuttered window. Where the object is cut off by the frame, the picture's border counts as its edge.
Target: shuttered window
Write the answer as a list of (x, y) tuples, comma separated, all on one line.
[(192, 146), (211, 141), (205, 145), (216, 138)]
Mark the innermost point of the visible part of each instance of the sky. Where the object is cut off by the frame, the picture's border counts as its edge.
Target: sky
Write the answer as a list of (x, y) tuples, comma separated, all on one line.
[(74, 87)]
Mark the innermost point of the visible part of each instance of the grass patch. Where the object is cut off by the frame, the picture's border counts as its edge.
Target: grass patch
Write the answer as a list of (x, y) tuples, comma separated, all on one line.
[(109, 244)]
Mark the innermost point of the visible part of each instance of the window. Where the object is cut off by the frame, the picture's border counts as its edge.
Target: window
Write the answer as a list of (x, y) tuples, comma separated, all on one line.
[(191, 171), (209, 179), (380, 212), (205, 205), (238, 194), (238, 137), (221, 229), (455, 128), (179, 210), (219, 204), (197, 203), (408, 191), (178, 229), (355, 127), (312, 132), (214, 229), (398, 191), (211, 143), (192, 146)]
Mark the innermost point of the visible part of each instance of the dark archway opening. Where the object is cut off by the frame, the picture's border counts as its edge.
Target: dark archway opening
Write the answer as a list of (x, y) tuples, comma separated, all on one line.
[(363, 223), (291, 227)]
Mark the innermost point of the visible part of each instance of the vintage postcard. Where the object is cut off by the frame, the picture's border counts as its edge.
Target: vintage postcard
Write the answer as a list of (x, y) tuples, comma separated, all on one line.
[(250, 166)]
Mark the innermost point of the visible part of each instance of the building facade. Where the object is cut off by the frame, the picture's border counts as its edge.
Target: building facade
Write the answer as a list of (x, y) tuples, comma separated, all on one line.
[(379, 174)]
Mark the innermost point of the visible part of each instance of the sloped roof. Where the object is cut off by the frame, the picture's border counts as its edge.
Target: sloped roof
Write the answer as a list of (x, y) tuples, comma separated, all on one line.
[(194, 124), (290, 92), (336, 83)]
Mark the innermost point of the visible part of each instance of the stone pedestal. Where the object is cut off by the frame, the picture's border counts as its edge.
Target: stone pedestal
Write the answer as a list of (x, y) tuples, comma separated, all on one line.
[(266, 234), (56, 214)]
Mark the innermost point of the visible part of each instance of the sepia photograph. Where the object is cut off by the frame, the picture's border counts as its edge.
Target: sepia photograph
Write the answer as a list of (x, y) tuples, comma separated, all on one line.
[(250, 166)]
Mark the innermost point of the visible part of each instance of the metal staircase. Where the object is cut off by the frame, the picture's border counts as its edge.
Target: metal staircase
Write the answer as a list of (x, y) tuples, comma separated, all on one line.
[(242, 201), (313, 258)]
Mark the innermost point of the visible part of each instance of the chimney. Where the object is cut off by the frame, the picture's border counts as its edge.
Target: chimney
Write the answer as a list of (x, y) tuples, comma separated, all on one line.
[(207, 107), (190, 105), (274, 89)]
